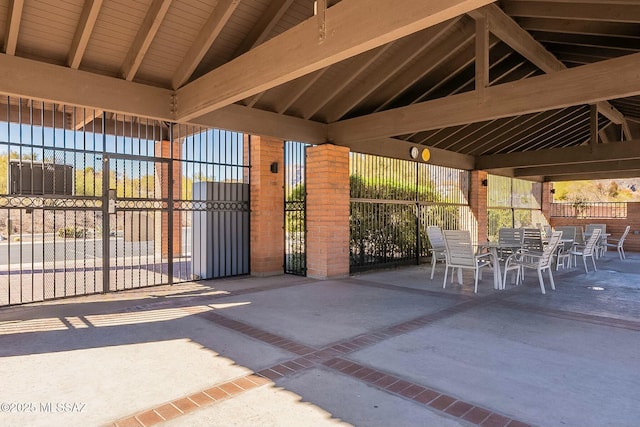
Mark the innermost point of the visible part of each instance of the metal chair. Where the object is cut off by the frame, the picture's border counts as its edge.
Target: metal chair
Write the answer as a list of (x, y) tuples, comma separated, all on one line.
[(460, 254), (617, 243), (536, 261), (601, 243), (588, 250), (438, 249)]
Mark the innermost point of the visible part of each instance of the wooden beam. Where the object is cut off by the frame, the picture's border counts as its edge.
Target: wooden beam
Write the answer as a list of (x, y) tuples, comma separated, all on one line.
[(482, 53), (580, 168), (399, 149), (631, 173), (260, 31), (84, 116), (298, 52), (593, 124), (85, 27), (508, 30), (62, 85), (207, 35), (258, 122), (581, 85), (12, 24), (150, 26), (613, 151), (600, 11)]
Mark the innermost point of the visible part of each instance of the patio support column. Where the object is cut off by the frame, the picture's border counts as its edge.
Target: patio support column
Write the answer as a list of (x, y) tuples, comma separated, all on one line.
[(478, 203), (547, 199), (328, 197), (267, 205), (164, 179)]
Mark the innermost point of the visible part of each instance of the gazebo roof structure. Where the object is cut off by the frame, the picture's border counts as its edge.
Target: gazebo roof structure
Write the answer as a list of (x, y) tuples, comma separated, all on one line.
[(544, 90)]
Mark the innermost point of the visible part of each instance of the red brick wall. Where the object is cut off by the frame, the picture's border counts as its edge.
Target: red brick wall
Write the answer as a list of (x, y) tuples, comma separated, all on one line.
[(478, 203), (327, 178), (267, 206), (163, 178), (615, 226)]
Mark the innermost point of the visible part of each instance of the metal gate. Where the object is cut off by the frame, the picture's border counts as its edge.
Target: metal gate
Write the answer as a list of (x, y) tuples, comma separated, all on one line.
[(94, 202), (137, 213), (295, 258)]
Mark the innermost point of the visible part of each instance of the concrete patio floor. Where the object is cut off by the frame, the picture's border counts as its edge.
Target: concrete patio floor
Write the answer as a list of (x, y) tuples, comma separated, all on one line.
[(387, 348)]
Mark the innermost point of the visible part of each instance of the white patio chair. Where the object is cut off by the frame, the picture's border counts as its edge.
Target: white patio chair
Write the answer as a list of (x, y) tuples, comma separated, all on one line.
[(460, 254), (588, 250), (617, 243), (601, 244), (509, 241), (539, 261), (532, 239), (438, 248)]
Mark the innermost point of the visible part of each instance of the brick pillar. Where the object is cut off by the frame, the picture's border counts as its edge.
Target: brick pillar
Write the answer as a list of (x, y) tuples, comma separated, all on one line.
[(327, 178), (547, 199), (267, 205), (478, 203), (163, 180)]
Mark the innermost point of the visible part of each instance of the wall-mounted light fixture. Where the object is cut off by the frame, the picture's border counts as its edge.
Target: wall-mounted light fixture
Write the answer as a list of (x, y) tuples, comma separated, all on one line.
[(553, 191), (484, 182), (274, 167)]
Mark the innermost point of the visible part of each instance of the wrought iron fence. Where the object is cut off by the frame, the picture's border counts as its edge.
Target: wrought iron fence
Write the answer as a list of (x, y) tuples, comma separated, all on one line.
[(589, 210), (392, 204), (93, 201), (295, 257)]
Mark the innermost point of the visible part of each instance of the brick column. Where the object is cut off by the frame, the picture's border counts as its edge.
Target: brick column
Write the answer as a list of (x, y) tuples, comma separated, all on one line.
[(163, 180), (478, 203), (327, 178), (547, 199), (267, 206)]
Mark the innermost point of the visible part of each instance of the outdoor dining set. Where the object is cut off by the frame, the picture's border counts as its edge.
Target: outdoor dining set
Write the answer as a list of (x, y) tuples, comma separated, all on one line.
[(519, 249)]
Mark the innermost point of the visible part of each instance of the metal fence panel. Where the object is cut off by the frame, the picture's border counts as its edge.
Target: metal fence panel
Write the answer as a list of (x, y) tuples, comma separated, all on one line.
[(93, 201), (295, 257), (392, 204)]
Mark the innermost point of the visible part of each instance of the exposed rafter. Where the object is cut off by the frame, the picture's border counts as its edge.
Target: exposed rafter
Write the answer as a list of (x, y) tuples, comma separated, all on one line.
[(379, 22), (437, 54), (582, 168), (207, 35), (341, 106), (505, 28), (597, 11), (261, 30), (581, 85), (613, 151), (84, 29), (347, 75), (13, 26), (150, 26), (296, 89)]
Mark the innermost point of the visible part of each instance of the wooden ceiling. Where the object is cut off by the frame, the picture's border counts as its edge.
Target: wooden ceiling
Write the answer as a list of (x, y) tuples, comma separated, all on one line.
[(546, 90)]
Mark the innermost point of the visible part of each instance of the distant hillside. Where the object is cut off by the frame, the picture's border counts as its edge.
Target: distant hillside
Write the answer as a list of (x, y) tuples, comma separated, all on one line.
[(603, 190)]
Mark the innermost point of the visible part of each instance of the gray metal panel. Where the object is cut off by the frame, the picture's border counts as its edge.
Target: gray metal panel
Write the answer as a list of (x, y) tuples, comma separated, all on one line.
[(221, 233)]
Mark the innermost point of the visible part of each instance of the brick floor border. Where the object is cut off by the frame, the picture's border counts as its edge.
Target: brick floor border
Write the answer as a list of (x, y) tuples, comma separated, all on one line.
[(333, 357), (190, 403)]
